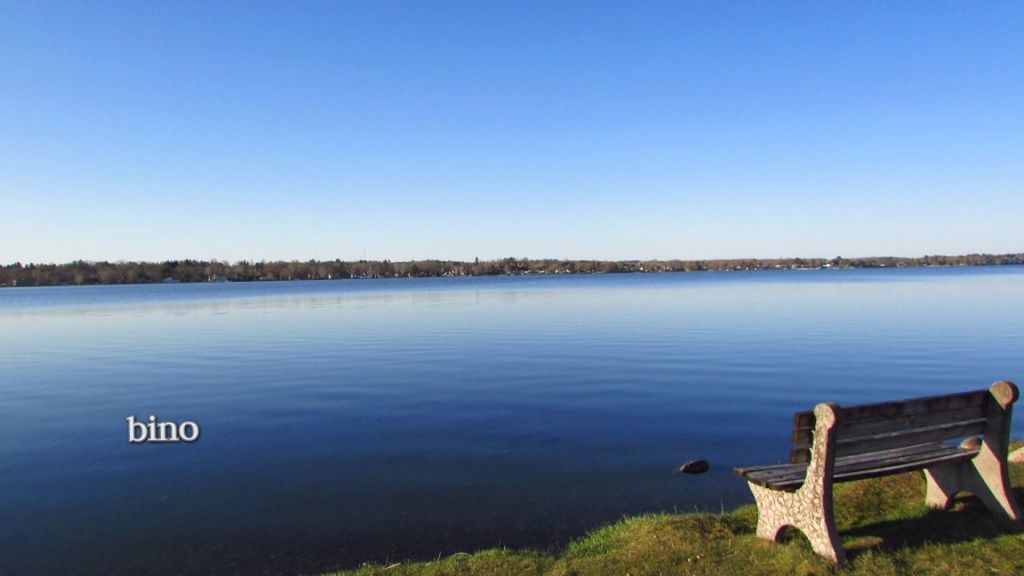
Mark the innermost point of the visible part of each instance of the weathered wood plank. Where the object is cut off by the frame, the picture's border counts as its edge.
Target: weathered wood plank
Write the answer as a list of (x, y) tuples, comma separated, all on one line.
[(867, 427), (877, 471), (803, 421), (874, 443), (868, 461), (902, 416), (920, 450), (861, 461), (800, 455), (914, 406), (910, 422), (871, 465)]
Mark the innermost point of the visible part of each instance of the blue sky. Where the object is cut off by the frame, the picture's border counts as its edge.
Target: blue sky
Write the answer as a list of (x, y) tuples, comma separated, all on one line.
[(412, 130)]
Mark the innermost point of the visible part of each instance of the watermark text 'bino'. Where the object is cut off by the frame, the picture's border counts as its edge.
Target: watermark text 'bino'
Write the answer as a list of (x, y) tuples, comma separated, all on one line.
[(156, 431)]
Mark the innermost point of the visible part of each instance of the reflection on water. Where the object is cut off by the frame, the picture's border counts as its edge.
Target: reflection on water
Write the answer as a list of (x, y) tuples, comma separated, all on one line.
[(372, 420)]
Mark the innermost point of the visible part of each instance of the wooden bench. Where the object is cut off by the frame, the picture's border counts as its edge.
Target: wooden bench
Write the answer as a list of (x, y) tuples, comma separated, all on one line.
[(833, 444)]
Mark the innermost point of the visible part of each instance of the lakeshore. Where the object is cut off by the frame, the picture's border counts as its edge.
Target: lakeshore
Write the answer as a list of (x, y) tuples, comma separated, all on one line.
[(883, 523), (82, 272)]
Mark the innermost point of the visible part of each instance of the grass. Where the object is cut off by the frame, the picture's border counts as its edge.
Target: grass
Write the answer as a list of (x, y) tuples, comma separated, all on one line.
[(884, 525)]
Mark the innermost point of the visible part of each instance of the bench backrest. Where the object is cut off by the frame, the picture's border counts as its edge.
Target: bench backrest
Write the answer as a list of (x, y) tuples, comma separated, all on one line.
[(899, 424)]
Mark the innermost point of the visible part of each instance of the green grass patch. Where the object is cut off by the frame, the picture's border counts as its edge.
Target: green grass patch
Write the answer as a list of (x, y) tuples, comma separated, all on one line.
[(883, 522)]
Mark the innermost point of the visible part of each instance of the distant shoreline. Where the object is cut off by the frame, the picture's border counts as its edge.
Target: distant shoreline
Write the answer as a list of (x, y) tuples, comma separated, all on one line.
[(82, 272)]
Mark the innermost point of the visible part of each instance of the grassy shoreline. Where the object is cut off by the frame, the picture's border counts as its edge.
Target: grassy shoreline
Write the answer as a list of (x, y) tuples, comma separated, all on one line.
[(883, 523)]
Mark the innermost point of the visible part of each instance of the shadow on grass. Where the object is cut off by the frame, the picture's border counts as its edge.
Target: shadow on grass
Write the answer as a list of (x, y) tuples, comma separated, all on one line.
[(968, 519)]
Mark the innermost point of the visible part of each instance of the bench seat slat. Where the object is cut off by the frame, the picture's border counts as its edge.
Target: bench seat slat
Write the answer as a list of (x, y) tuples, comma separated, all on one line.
[(858, 467), (787, 472), (774, 471), (929, 447)]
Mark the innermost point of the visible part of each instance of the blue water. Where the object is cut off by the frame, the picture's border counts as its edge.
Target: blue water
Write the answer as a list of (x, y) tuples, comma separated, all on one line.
[(376, 420)]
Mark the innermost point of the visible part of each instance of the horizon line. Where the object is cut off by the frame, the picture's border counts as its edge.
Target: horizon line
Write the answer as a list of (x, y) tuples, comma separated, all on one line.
[(516, 258)]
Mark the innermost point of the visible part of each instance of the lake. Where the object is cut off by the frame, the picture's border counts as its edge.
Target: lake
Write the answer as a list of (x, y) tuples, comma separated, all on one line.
[(377, 420)]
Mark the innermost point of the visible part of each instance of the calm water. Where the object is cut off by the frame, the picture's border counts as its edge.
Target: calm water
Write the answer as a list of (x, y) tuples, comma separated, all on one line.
[(345, 421)]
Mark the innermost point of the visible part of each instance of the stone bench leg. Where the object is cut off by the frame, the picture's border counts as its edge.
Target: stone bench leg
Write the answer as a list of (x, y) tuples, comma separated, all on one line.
[(990, 486), (985, 475), (806, 510)]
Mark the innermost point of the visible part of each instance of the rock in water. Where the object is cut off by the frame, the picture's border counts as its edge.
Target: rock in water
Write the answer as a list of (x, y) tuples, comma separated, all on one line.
[(695, 467), (972, 443)]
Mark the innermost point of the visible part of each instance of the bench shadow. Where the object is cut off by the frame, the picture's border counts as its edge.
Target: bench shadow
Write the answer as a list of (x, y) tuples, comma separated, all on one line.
[(968, 519)]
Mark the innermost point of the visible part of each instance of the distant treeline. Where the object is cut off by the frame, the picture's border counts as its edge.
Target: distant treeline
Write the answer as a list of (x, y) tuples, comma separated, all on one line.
[(82, 272)]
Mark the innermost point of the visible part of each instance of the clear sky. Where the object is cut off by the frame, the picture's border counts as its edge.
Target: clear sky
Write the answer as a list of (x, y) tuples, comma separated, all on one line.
[(423, 129)]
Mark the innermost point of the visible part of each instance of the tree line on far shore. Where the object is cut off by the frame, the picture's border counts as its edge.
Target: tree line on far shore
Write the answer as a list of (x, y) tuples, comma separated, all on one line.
[(82, 272)]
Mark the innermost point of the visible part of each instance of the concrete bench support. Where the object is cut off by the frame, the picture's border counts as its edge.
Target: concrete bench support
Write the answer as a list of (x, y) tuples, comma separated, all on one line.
[(809, 509)]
